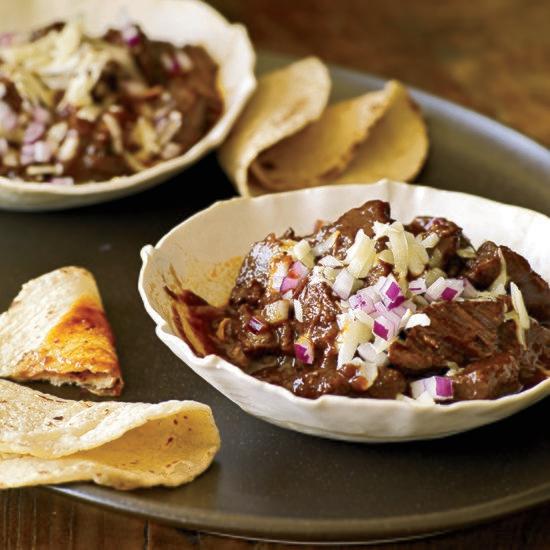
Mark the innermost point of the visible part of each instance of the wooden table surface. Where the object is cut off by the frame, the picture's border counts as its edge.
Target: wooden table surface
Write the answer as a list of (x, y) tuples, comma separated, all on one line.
[(492, 56)]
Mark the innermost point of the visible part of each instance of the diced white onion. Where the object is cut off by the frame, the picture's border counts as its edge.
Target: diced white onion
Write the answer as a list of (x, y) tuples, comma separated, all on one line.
[(417, 255), (380, 229), (302, 251), (343, 284), (499, 283), (298, 311), (430, 241), (330, 261), (69, 147), (399, 247), (386, 256), (277, 311), (326, 245), (115, 132), (519, 306), (353, 334), (360, 256), (425, 399), (418, 320), (467, 252)]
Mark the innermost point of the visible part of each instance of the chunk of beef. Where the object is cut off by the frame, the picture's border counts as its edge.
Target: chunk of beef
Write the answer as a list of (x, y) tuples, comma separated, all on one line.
[(535, 290), (314, 383), (450, 236), (253, 278), (459, 332), (388, 384), (319, 311), (485, 268), (489, 378), (11, 95), (534, 359), (349, 223)]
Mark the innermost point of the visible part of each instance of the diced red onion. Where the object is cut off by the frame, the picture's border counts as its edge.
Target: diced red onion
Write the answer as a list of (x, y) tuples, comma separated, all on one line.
[(440, 388), (171, 63), (399, 310), (418, 286), (257, 325), (27, 154), (41, 115), (289, 283), (298, 270), (362, 301), (8, 118), (7, 39), (454, 289), (295, 274), (303, 349), (130, 35), (33, 132), (384, 328), (449, 294), (445, 289), (391, 293), (278, 276), (62, 181)]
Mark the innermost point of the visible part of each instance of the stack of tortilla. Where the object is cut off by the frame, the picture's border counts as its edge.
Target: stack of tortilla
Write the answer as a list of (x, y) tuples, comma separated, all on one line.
[(288, 138), (56, 330)]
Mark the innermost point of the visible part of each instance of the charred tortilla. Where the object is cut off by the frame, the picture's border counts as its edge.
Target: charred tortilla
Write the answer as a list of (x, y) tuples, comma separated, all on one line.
[(56, 330)]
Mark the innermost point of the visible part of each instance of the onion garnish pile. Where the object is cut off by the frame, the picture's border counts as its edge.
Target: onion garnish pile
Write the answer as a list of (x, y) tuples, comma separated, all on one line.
[(76, 108)]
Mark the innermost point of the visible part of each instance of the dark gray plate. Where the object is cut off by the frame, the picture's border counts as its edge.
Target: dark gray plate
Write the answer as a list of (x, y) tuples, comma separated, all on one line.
[(267, 482)]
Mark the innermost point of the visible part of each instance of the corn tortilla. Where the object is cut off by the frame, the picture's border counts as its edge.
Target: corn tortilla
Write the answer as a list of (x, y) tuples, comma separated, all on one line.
[(45, 439), (56, 330), (284, 102)]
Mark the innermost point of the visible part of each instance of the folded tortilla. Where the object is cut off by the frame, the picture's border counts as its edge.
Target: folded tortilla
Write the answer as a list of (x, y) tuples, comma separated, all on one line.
[(45, 439), (56, 330), (322, 150), (284, 102), (396, 147), (288, 139)]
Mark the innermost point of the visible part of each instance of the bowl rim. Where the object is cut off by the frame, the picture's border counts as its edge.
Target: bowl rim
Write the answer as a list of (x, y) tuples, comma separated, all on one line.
[(212, 361)]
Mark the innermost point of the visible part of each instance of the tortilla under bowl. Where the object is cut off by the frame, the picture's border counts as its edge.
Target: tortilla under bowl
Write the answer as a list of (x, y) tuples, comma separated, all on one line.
[(177, 21), (202, 254)]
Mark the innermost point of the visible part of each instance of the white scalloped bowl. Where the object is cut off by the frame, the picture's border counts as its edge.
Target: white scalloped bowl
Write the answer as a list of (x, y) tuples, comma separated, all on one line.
[(196, 252), (177, 21)]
